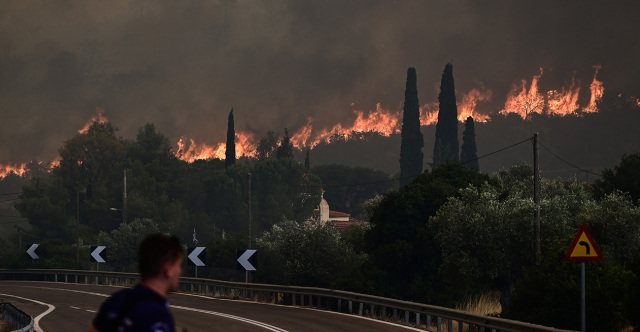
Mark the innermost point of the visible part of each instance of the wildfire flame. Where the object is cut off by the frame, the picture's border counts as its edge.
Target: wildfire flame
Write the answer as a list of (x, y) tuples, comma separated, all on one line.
[(524, 102), (554, 103), (17, 169), (470, 101), (98, 117), (382, 121), (190, 151), (520, 100), (597, 91), (21, 169)]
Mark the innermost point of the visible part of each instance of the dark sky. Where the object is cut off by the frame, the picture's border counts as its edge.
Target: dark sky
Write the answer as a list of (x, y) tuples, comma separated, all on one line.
[(182, 65)]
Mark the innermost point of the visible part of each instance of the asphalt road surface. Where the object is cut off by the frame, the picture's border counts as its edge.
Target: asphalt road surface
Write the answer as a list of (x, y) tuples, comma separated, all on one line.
[(60, 307)]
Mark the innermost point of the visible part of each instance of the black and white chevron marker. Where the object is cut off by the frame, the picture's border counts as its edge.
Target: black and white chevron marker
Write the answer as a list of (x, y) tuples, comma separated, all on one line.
[(197, 256), (98, 253), (247, 259), (31, 250)]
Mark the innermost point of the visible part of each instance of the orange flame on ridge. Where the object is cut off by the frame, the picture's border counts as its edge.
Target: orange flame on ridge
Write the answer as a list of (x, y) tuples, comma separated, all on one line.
[(382, 121), (21, 169), (469, 102), (524, 102), (17, 169), (98, 117), (554, 103), (564, 102), (190, 151), (597, 91)]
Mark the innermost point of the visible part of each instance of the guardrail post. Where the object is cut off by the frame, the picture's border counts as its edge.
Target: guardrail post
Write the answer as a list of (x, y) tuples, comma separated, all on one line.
[(350, 306), (384, 313), (406, 317), (361, 309), (418, 320), (373, 309), (481, 328), (339, 305), (395, 315), (450, 325), (428, 321), (439, 324), (461, 326)]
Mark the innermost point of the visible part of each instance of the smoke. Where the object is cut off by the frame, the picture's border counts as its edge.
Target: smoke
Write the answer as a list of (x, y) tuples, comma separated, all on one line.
[(182, 65)]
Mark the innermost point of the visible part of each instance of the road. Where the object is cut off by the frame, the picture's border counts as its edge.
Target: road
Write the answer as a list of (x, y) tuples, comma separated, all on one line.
[(71, 307)]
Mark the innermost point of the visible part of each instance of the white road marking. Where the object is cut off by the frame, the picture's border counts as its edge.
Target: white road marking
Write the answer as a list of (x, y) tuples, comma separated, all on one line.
[(36, 321), (242, 319), (72, 307), (237, 317)]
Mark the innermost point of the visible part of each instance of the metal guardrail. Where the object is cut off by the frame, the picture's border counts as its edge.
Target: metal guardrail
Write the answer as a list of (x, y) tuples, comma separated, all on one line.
[(423, 316), (14, 318)]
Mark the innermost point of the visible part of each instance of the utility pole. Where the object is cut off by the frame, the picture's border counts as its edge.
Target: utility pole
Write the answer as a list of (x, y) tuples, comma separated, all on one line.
[(536, 196), (124, 199), (249, 237), (247, 275), (78, 223)]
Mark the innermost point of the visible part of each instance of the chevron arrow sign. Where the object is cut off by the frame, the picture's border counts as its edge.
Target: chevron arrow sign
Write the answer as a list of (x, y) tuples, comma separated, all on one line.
[(97, 253), (196, 256), (31, 251)]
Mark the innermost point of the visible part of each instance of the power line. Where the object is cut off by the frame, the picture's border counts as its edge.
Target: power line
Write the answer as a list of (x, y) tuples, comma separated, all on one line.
[(568, 163), (13, 222), (398, 178), (500, 150), (30, 190)]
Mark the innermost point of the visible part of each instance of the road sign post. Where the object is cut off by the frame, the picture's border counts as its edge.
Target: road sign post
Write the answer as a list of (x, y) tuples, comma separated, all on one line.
[(247, 260), (583, 249)]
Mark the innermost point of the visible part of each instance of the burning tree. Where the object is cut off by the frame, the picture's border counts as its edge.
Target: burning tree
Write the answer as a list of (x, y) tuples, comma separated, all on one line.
[(446, 144), (411, 156)]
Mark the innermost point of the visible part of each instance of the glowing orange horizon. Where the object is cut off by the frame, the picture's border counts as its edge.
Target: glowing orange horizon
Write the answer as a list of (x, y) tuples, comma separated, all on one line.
[(520, 100)]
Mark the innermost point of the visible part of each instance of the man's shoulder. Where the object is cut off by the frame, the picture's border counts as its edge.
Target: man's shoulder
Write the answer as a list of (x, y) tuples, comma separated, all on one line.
[(136, 307)]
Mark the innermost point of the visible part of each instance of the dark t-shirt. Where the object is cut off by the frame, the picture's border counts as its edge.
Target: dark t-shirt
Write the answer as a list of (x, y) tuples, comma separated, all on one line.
[(142, 310)]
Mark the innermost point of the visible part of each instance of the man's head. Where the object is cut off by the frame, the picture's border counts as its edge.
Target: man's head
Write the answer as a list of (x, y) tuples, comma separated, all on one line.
[(160, 256)]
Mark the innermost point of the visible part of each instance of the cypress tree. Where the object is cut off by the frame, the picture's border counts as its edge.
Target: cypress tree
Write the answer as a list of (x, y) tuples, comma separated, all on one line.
[(285, 150), (469, 152), (230, 153), (446, 144), (307, 162), (411, 156)]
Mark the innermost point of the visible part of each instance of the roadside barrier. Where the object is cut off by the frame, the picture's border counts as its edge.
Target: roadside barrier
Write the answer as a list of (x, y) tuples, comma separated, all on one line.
[(418, 315)]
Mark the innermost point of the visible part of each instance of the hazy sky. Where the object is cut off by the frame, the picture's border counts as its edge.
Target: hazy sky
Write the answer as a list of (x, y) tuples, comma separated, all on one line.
[(182, 65)]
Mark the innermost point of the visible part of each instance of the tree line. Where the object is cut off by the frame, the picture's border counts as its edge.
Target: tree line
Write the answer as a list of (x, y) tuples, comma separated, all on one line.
[(448, 233)]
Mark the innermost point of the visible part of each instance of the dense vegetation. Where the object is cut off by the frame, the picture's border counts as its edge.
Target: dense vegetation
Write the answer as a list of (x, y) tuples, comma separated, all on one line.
[(451, 233)]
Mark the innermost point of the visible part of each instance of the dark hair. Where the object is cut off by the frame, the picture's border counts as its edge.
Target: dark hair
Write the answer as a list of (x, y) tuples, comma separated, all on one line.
[(155, 251)]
